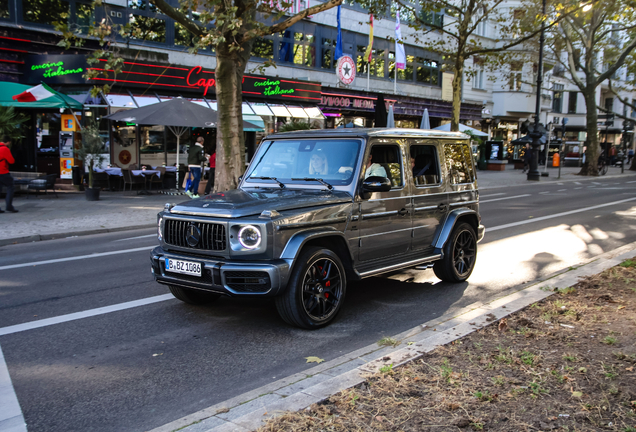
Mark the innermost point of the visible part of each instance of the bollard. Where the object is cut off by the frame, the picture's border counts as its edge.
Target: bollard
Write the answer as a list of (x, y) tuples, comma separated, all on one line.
[(556, 159)]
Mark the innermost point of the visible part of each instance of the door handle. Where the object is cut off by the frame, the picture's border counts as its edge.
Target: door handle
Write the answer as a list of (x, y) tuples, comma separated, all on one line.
[(442, 207), (403, 212)]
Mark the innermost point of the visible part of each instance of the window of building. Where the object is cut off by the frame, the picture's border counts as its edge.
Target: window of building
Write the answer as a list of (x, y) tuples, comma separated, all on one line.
[(84, 16), (4, 9), (263, 48), (182, 36), (427, 71), (432, 18), (557, 101), (609, 104), (572, 102), (304, 50), (45, 11), (478, 77), (514, 80), (480, 28), (148, 28), (328, 48), (405, 74)]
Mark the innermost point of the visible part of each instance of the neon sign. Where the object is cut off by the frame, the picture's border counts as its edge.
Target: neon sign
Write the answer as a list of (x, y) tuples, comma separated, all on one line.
[(202, 82), (272, 88), (52, 72)]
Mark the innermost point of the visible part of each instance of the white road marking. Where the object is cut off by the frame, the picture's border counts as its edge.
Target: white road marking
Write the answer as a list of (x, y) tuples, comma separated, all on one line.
[(561, 190), (491, 195), (577, 183), (633, 181), (560, 184), (135, 238), (579, 187), (11, 418), (596, 183), (84, 314), (75, 258), (556, 215), (544, 193), (506, 198)]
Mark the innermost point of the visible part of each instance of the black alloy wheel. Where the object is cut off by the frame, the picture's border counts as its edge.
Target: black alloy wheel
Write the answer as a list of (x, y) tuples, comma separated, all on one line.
[(460, 255), (315, 291)]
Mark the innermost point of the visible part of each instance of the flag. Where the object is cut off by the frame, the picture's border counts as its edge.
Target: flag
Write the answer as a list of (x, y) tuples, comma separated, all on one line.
[(368, 52), (338, 52), (36, 93), (400, 55)]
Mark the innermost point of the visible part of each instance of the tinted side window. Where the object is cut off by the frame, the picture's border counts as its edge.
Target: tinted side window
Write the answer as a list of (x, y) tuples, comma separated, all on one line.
[(385, 162), (458, 161), (424, 164)]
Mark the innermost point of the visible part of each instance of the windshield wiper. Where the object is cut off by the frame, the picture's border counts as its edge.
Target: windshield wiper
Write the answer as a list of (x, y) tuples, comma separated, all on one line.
[(314, 179), (282, 186)]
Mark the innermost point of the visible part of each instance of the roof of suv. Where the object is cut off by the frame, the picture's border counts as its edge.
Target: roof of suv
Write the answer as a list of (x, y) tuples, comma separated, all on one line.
[(367, 132)]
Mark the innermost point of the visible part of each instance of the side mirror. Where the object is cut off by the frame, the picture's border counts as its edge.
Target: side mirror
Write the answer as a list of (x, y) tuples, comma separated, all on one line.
[(376, 184)]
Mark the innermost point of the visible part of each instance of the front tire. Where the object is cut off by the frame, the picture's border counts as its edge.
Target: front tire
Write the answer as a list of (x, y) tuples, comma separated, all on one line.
[(460, 254), (315, 291), (193, 297)]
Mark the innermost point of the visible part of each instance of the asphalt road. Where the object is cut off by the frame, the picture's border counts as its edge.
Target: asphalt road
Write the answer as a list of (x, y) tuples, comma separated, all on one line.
[(144, 366)]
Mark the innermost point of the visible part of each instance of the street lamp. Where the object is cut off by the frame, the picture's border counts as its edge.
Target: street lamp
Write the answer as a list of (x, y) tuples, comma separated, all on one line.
[(537, 130)]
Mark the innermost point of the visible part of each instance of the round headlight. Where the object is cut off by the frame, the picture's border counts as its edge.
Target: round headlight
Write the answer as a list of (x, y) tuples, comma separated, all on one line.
[(249, 237), (159, 228)]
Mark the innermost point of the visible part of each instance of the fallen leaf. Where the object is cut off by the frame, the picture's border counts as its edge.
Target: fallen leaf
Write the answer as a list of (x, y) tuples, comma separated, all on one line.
[(577, 394), (631, 368), (222, 410), (620, 307), (410, 343), (313, 359), (503, 325)]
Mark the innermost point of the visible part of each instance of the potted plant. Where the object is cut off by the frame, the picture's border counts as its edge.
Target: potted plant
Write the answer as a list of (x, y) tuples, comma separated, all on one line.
[(91, 152)]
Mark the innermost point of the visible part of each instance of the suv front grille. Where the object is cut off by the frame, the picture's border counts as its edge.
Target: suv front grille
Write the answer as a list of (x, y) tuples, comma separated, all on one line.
[(213, 236)]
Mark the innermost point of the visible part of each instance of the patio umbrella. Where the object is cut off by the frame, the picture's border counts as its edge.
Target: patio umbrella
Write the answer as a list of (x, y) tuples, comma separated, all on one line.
[(390, 121), (462, 128), (425, 124), (177, 114), (380, 112)]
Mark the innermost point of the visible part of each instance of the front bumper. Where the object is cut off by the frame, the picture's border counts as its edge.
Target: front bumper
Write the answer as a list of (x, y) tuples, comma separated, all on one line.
[(232, 278), (481, 232)]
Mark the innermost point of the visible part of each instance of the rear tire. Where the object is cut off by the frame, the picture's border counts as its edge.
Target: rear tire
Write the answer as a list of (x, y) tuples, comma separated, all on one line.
[(315, 291), (193, 297), (460, 254)]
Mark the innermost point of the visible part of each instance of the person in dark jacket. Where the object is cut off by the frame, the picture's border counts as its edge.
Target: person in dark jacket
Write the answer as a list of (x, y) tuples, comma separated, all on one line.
[(210, 184), (196, 156), (6, 159), (527, 157)]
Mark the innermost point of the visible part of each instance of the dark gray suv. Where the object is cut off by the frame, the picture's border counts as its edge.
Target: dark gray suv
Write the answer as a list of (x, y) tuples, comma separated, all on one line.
[(318, 208)]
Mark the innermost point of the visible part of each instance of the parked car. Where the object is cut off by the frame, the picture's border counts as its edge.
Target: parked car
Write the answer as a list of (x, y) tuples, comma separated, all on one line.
[(318, 208)]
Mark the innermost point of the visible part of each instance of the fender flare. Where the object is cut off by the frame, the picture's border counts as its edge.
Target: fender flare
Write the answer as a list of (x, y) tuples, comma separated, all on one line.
[(300, 239), (449, 225)]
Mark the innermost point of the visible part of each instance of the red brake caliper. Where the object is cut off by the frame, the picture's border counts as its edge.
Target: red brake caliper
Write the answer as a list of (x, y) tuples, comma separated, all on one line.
[(328, 284)]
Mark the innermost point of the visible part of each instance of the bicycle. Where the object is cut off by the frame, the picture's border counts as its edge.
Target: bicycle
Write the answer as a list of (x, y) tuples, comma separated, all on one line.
[(602, 164)]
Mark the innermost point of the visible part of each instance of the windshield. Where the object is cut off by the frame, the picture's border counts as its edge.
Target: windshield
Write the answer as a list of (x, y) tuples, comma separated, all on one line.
[(333, 161)]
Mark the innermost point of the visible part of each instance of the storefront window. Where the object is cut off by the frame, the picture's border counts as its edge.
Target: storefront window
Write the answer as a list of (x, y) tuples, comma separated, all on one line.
[(48, 134), (45, 11), (148, 28), (4, 9)]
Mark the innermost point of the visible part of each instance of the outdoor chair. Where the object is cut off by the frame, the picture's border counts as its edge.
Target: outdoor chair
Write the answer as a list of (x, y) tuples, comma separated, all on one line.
[(131, 179), (43, 184), (155, 180)]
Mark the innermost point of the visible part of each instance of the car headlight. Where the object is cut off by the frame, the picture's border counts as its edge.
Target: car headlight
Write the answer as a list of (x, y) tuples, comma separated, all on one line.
[(159, 228), (249, 237)]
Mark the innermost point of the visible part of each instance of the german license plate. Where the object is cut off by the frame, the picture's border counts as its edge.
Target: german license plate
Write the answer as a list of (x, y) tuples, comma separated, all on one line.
[(183, 267)]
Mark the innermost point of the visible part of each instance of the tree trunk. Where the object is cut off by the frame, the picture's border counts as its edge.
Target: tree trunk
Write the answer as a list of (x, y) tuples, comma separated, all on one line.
[(230, 143), (457, 93), (590, 167)]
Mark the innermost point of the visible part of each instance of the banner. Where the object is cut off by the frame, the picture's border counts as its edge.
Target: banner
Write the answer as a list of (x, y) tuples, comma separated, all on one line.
[(400, 55)]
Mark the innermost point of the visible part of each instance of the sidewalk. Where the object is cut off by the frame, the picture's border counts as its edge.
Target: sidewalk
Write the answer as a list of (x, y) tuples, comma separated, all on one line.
[(46, 217)]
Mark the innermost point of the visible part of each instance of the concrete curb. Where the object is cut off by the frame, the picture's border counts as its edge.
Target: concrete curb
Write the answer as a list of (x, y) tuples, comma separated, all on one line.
[(40, 237), (249, 411)]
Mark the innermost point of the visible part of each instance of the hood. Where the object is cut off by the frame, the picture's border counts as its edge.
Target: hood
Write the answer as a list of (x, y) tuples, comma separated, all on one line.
[(238, 203)]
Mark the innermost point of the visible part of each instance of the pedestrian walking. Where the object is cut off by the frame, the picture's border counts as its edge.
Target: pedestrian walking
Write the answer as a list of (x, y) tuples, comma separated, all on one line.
[(196, 156), (6, 159), (527, 156), (208, 187)]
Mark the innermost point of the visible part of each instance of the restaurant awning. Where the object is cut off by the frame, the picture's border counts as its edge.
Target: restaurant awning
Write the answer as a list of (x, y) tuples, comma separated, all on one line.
[(10, 89)]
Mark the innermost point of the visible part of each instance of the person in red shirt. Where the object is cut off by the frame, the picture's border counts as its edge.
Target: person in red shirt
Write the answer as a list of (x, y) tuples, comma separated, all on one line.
[(6, 159), (211, 174)]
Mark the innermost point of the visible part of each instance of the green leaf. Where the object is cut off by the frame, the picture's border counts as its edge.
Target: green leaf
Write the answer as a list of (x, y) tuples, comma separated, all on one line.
[(313, 359)]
